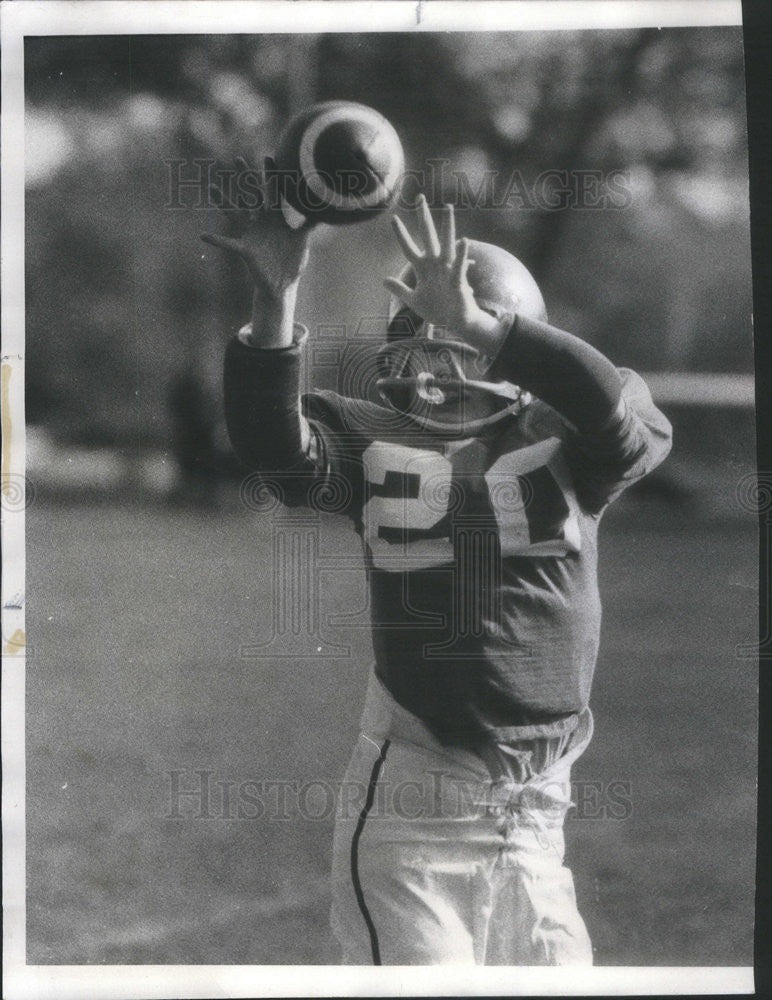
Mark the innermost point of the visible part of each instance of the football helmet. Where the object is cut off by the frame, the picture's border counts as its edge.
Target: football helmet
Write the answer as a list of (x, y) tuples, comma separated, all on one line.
[(439, 379)]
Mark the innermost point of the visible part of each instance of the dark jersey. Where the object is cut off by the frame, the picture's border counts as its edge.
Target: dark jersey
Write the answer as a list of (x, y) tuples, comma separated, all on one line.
[(481, 553)]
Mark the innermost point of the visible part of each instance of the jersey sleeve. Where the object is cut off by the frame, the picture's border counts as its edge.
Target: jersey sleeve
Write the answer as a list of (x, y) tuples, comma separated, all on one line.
[(605, 462), (291, 443), (562, 370), (615, 435)]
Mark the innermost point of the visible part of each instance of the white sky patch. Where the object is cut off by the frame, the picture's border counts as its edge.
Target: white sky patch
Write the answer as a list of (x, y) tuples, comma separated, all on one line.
[(713, 197), (147, 112), (48, 146)]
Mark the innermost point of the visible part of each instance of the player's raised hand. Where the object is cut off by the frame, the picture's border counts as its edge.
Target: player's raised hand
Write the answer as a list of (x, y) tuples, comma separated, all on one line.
[(442, 295), (274, 253)]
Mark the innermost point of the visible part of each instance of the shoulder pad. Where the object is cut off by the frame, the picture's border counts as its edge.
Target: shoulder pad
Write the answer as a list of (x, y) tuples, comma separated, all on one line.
[(634, 389)]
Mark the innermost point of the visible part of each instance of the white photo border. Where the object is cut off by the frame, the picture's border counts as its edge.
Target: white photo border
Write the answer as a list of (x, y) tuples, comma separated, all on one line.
[(118, 17)]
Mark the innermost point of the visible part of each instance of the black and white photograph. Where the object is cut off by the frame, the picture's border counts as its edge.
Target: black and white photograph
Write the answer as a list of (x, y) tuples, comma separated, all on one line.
[(380, 500)]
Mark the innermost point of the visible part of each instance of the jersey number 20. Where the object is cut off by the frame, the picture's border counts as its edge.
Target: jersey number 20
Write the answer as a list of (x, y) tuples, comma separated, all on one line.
[(414, 497)]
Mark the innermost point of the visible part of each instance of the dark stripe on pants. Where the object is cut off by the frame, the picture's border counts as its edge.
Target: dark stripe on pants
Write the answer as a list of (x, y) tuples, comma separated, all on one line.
[(355, 852)]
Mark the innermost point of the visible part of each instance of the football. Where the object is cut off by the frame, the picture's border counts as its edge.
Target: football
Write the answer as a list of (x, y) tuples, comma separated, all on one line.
[(338, 162)]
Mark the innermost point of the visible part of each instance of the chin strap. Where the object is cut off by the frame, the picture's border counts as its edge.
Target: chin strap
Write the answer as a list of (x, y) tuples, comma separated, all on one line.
[(422, 397), (468, 428)]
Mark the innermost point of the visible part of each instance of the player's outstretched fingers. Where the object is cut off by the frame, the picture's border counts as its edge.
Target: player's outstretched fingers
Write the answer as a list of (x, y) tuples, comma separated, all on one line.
[(461, 265), (272, 197), (409, 248), (431, 239), (401, 290), (448, 235)]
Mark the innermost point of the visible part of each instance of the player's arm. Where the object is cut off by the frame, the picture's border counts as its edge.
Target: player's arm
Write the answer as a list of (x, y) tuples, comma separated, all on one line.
[(559, 368), (262, 364), (562, 370), (619, 433)]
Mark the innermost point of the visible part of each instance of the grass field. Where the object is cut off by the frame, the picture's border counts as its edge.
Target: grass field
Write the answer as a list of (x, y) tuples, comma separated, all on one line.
[(136, 615)]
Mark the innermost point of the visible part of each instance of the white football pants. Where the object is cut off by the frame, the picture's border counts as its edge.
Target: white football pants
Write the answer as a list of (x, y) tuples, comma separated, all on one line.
[(441, 856)]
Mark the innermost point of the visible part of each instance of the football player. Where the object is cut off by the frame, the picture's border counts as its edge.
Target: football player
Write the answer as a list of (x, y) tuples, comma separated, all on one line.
[(477, 486)]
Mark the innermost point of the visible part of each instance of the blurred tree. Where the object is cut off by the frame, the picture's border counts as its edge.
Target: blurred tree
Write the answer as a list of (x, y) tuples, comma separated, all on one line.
[(121, 296), (663, 112)]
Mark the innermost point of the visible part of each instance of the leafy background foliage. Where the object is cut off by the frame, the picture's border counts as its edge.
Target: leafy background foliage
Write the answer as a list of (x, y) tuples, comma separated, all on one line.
[(122, 297)]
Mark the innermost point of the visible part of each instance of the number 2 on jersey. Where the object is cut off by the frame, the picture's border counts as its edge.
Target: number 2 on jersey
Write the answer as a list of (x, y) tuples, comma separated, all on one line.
[(412, 497)]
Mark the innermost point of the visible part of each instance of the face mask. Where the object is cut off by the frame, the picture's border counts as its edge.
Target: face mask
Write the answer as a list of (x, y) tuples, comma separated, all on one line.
[(439, 382)]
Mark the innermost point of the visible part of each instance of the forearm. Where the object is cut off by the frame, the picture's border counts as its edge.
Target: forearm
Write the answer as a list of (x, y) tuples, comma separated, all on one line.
[(273, 318), (262, 406), (562, 370)]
